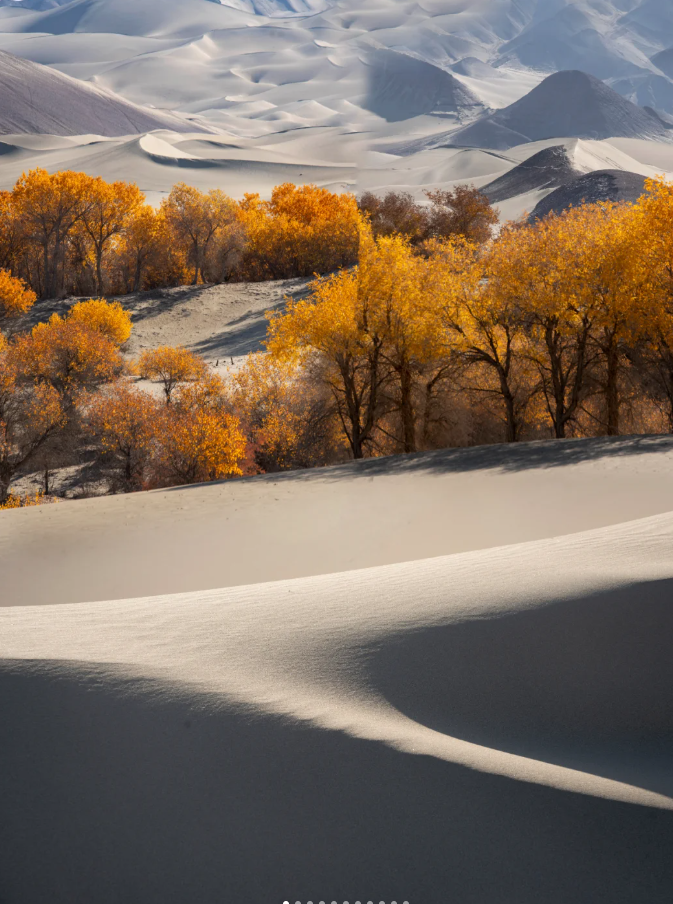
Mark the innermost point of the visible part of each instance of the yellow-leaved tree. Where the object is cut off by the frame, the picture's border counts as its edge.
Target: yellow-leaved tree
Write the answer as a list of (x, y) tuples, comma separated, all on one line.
[(171, 366), (301, 231), (124, 420), (70, 354), (49, 208), (105, 317), (198, 438), (372, 335), (482, 326), (284, 413), (195, 219), (31, 413), (110, 207), (15, 297)]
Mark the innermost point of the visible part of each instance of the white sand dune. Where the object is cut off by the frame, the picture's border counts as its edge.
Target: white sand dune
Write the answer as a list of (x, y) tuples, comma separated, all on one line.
[(37, 99), (496, 720), (156, 162), (318, 91), (432, 678)]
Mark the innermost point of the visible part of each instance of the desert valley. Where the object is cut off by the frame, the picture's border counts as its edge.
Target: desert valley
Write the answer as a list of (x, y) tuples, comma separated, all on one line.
[(336, 451)]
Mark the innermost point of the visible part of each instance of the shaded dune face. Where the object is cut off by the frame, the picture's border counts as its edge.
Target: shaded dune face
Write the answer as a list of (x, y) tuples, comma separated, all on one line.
[(493, 725), (581, 683), (121, 791)]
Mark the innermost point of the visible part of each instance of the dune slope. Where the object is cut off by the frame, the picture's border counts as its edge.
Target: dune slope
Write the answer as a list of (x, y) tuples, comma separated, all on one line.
[(36, 99), (498, 717)]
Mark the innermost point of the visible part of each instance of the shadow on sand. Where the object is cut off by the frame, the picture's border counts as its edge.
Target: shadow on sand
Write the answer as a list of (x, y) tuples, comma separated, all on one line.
[(584, 683), (112, 793), (507, 457)]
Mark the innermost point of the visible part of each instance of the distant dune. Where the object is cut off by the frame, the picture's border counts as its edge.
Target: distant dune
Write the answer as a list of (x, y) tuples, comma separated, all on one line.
[(35, 99), (564, 105), (400, 87), (603, 185)]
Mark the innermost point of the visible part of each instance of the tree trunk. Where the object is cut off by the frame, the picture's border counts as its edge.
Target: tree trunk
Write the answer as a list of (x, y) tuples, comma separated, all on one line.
[(511, 419), (137, 280), (47, 274), (612, 392), (407, 410), (5, 480), (197, 264), (99, 272), (512, 431)]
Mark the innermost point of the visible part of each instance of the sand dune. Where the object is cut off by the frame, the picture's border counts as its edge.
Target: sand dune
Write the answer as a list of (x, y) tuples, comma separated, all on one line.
[(332, 93), (156, 162), (425, 678), (604, 185), (36, 99), (346, 517), (498, 717)]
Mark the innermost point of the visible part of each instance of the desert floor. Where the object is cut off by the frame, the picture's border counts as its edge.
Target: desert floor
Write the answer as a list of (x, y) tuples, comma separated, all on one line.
[(435, 678)]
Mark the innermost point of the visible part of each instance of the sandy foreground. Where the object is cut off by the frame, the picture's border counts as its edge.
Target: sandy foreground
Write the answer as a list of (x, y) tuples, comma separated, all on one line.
[(435, 678)]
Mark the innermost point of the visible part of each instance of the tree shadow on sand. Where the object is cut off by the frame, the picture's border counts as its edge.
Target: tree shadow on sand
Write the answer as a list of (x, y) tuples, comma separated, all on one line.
[(508, 458)]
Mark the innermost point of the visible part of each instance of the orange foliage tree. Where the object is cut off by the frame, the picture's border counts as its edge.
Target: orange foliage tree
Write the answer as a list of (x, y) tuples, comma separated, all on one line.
[(198, 438), (107, 318), (30, 415), (124, 420), (69, 355), (15, 297), (49, 207), (144, 240), (108, 210), (300, 231), (171, 366), (195, 219), (284, 413)]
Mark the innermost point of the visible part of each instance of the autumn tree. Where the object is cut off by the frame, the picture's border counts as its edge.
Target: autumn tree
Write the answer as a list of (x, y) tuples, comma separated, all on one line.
[(13, 249), (373, 337), (195, 218), (49, 207), (171, 366), (69, 355), (285, 415), (463, 212), (15, 297), (396, 213), (124, 421), (199, 439), (144, 239), (654, 353), (301, 231), (540, 270), (620, 287), (328, 332), (107, 318), (483, 326), (108, 211), (30, 415)]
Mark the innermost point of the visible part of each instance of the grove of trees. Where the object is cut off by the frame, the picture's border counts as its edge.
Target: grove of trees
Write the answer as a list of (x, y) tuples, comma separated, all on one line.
[(424, 328), (72, 234)]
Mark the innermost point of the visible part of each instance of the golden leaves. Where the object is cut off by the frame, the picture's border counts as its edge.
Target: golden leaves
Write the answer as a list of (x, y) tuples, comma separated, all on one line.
[(171, 366), (74, 352), (107, 318), (300, 231), (15, 297)]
